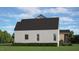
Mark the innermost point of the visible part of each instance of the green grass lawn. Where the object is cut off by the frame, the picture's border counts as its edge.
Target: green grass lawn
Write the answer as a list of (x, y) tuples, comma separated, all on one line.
[(74, 47)]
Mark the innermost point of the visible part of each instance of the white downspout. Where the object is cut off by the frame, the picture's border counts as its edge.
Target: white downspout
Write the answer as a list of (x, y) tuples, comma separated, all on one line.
[(58, 38)]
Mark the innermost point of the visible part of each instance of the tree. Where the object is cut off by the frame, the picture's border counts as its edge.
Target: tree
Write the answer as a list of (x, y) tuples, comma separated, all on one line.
[(5, 37), (13, 37), (76, 39), (71, 36), (1, 36)]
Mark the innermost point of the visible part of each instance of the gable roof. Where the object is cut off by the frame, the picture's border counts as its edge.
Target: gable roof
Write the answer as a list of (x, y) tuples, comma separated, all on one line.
[(37, 24)]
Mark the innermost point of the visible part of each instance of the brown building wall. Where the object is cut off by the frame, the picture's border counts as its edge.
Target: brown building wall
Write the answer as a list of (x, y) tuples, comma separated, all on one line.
[(62, 36)]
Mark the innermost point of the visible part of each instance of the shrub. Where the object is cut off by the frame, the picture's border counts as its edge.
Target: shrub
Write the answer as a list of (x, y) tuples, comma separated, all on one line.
[(5, 44), (34, 44), (61, 42), (67, 44)]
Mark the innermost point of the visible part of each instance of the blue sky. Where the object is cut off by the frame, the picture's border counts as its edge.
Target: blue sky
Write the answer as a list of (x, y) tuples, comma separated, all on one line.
[(68, 17)]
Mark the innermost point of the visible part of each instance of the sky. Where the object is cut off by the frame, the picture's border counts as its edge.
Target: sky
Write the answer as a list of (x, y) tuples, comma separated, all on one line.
[(68, 16)]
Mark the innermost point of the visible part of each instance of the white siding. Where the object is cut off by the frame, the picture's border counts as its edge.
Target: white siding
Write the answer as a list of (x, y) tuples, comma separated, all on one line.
[(45, 36)]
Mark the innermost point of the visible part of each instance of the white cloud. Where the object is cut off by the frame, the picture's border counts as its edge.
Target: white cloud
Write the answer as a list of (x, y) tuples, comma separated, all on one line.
[(66, 19), (57, 10), (25, 15), (9, 15), (19, 16), (32, 10), (68, 27), (4, 20), (9, 27), (29, 12)]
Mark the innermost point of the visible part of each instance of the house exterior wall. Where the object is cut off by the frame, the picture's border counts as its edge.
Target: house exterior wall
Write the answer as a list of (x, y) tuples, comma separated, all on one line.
[(45, 36)]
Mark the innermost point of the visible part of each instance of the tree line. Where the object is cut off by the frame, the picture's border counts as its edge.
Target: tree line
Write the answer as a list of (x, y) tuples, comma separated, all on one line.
[(73, 38), (5, 37)]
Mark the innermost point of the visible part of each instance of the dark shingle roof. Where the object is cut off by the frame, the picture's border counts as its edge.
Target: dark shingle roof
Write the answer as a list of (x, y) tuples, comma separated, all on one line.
[(38, 24), (63, 31)]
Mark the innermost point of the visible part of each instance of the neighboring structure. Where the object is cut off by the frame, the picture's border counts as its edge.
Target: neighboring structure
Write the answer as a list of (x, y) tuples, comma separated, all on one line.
[(38, 30), (64, 35)]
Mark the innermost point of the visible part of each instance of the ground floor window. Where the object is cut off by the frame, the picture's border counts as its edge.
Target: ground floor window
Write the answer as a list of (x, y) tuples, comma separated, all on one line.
[(37, 37), (26, 36), (54, 35)]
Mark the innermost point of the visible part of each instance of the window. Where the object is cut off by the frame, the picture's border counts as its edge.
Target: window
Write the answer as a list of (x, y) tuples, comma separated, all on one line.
[(54, 35), (37, 37), (26, 37)]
